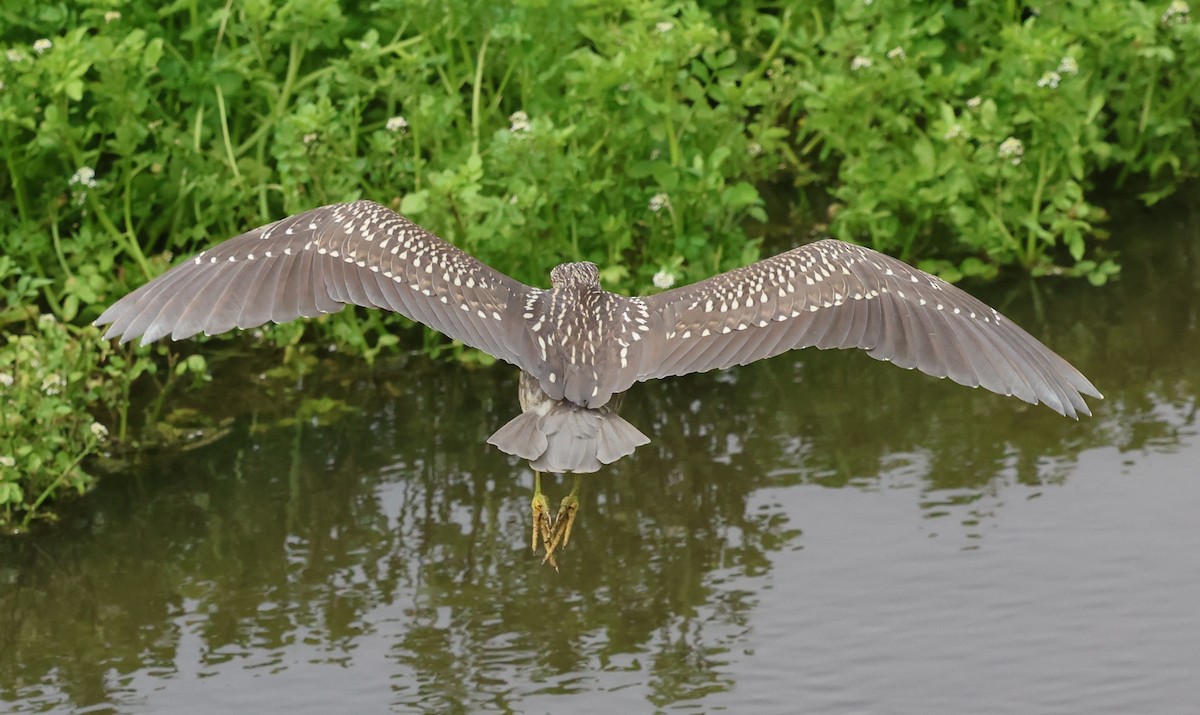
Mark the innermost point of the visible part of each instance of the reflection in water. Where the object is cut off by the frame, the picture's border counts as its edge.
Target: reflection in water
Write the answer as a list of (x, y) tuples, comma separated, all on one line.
[(393, 522), (382, 553)]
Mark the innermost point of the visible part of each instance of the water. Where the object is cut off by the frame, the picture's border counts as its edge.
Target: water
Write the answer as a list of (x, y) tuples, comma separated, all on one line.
[(816, 533)]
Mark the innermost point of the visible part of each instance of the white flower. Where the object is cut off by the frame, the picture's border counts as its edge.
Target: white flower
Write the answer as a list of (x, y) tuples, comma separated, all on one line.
[(112, 16), (860, 63), (47, 318), (1068, 65), (658, 202), (1177, 11), (99, 431), (40, 46), (6, 379), (896, 53), (754, 148), (1011, 148), (519, 122), (53, 384), (1050, 79), (15, 55), (309, 138), (7, 461), (974, 102), (84, 176), (664, 280), (664, 26), (955, 131), (397, 124)]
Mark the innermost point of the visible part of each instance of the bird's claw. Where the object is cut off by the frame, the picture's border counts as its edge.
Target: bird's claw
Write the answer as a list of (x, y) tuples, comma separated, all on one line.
[(563, 521), (555, 533), (542, 525)]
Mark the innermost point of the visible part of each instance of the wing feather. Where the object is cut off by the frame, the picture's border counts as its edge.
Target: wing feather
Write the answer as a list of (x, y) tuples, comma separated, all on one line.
[(831, 294), (316, 262)]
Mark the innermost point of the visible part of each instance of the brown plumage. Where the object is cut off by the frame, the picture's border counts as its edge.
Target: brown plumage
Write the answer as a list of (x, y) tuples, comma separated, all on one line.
[(578, 345)]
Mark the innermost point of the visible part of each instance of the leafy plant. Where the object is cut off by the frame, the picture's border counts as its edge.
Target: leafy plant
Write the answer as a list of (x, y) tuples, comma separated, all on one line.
[(51, 375), (987, 125)]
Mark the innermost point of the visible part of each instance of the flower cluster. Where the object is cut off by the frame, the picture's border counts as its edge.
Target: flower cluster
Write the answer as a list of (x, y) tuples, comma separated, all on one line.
[(658, 202), (84, 176), (664, 280), (1050, 80), (53, 384), (519, 122), (860, 63), (397, 124), (1011, 149), (1177, 12)]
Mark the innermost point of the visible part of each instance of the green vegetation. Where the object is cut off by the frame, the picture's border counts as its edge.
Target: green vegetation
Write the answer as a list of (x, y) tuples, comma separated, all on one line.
[(635, 134)]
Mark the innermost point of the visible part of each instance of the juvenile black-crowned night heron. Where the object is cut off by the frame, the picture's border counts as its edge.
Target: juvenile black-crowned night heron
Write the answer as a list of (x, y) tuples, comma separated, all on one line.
[(579, 346)]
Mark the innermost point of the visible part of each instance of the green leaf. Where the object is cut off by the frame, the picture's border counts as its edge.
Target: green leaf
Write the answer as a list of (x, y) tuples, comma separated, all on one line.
[(415, 203)]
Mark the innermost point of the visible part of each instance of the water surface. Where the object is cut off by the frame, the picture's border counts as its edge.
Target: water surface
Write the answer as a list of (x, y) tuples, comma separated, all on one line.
[(816, 533)]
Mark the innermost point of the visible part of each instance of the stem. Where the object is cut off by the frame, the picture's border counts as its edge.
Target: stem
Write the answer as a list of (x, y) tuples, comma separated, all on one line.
[(1035, 211), (56, 239), (773, 49), (987, 205), (128, 201), (131, 244), (672, 139), (295, 56), (15, 179), (1143, 122), (32, 511), (476, 119), (225, 133)]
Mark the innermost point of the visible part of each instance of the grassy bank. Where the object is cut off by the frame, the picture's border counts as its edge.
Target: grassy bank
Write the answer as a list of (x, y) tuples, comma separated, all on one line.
[(634, 134)]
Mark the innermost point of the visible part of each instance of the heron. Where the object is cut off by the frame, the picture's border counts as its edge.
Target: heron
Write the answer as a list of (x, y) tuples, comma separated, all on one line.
[(578, 346)]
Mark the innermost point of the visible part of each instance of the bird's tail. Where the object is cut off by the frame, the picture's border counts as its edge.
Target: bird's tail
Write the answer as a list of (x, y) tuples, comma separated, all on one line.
[(563, 437)]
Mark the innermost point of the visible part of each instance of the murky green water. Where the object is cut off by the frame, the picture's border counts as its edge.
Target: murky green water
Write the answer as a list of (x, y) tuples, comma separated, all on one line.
[(817, 533)]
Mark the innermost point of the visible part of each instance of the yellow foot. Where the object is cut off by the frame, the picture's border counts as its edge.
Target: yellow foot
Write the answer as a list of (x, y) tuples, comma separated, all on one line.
[(563, 521), (541, 514)]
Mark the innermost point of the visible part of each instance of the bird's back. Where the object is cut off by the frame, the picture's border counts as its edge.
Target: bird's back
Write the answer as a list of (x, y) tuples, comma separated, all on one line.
[(590, 344)]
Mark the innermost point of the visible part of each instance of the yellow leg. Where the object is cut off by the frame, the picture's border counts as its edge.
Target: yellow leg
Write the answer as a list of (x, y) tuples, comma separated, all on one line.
[(541, 512), (563, 522)]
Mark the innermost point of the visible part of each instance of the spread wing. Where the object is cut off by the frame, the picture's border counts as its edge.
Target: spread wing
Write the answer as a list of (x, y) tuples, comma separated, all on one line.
[(319, 261), (831, 294)]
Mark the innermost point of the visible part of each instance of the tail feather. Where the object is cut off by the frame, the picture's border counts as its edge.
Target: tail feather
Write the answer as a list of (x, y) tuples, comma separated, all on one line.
[(562, 437), (521, 437), (617, 439), (572, 436)]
